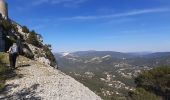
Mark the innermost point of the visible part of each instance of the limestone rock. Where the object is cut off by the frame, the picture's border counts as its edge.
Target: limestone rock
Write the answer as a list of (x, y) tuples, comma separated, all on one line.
[(39, 82)]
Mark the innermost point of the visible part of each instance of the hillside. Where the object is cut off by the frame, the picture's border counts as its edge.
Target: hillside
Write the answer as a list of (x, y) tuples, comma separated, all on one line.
[(35, 81), (30, 43), (110, 74), (36, 76)]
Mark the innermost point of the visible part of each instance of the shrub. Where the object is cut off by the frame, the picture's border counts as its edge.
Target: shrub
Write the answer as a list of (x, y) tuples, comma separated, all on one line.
[(25, 29), (1, 57), (156, 81), (142, 94), (3, 69), (3, 75), (33, 39), (6, 25), (5, 72), (14, 26)]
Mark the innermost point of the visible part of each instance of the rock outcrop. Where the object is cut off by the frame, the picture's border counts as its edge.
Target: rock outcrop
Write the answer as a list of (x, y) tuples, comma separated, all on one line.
[(36, 81), (37, 50)]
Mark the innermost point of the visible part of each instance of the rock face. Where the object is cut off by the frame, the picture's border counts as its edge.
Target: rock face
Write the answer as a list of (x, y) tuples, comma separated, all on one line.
[(2, 40), (11, 31), (14, 33), (39, 82)]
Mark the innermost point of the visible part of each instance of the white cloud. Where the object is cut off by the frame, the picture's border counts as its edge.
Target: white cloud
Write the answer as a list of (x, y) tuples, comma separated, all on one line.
[(125, 14), (64, 2)]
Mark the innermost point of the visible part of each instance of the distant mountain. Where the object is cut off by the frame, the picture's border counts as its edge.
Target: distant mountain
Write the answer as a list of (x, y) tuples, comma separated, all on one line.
[(139, 53), (92, 54), (103, 58), (113, 71), (158, 55)]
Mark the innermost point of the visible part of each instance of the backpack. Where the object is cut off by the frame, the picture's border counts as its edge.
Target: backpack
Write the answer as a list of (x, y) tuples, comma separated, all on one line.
[(14, 49)]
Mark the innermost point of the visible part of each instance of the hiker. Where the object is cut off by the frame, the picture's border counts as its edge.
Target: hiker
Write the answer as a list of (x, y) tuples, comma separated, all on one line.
[(13, 53)]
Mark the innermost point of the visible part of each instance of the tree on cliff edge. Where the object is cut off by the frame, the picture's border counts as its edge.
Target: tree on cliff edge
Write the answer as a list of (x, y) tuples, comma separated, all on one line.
[(33, 39)]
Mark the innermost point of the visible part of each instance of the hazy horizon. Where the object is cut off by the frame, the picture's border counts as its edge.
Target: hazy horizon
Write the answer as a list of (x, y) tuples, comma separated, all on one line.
[(105, 25), (113, 51)]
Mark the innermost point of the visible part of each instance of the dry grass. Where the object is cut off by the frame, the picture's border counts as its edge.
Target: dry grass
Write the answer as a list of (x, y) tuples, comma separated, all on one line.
[(4, 58), (5, 71)]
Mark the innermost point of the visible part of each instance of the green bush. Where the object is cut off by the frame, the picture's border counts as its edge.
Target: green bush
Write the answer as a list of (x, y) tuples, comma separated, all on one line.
[(6, 25), (33, 39), (3, 69), (25, 29), (156, 81), (142, 94), (1, 57), (14, 27)]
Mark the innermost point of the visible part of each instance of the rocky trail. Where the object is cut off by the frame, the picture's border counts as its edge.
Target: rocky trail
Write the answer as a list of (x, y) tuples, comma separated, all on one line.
[(35, 81)]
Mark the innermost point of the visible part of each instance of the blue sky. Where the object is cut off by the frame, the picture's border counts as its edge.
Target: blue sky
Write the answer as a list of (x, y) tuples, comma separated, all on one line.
[(112, 25)]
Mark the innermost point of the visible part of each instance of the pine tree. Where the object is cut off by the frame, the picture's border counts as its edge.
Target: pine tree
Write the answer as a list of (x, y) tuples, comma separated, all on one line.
[(25, 29), (32, 39)]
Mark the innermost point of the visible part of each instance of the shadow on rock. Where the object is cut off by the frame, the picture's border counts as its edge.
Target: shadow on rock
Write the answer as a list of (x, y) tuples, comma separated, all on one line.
[(24, 94), (10, 73), (24, 65)]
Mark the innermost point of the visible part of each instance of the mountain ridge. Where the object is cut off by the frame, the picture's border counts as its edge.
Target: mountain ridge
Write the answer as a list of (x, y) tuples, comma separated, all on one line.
[(115, 74), (116, 54)]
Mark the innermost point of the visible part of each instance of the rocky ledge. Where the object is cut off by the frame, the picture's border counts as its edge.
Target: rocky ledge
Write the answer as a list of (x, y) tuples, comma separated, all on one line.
[(36, 81)]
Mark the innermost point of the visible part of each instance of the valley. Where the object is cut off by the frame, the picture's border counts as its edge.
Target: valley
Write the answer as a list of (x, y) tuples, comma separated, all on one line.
[(109, 74)]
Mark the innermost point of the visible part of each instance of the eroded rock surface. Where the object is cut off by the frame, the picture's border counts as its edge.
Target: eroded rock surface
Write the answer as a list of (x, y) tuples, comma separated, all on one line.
[(36, 81)]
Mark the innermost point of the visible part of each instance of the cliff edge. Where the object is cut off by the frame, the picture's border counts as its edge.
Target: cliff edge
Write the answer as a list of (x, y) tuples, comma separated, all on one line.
[(36, 81)]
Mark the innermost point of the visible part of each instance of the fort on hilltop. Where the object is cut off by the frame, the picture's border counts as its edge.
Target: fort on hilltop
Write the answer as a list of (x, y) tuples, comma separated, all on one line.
[(4, 14), (4, 9)]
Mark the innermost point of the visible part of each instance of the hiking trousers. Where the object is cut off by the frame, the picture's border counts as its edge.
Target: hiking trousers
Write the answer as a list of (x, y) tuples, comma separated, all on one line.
[(12, 59)]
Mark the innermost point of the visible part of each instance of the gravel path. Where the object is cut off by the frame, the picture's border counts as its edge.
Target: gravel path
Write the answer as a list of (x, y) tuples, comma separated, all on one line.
[(38, 82)]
